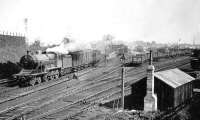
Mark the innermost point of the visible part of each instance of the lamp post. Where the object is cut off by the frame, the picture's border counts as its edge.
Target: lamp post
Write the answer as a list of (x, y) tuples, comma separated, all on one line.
[(122, 60)]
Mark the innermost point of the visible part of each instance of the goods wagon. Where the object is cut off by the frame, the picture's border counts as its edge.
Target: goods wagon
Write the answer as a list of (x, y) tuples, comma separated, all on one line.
[(140, 58)]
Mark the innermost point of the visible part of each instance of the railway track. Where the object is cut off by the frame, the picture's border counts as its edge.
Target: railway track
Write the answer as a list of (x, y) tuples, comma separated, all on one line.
[(21, 101), (75, 112), (127, 90), (7, 93), (30, 103), (16, 92), (104, 90), (3, 81), (91, 93), (5, 90), (5, 85), (38, 87), (92, 99), (95, 81)]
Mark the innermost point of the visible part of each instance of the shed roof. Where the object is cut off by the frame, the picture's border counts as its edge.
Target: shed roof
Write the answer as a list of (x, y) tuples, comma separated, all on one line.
[(174, 77)]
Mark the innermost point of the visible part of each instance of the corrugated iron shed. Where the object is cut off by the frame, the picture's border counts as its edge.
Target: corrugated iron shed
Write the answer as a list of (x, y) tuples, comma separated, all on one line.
[(174, 77)]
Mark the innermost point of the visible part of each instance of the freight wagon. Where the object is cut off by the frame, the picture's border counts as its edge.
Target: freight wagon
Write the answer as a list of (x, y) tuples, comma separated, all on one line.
[(140, 58)]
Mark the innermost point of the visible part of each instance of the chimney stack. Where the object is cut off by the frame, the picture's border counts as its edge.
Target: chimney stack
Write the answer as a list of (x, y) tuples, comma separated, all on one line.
[(150, 100)]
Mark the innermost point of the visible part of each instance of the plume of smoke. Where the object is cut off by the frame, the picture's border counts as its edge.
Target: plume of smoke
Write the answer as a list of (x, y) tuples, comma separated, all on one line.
[(68, 45)]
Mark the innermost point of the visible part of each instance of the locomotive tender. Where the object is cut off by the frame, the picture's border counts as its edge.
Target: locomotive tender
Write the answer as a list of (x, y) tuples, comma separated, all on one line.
[(42, 67)]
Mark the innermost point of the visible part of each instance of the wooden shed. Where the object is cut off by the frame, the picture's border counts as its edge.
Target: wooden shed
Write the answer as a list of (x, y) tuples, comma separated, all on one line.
[(173, 87)]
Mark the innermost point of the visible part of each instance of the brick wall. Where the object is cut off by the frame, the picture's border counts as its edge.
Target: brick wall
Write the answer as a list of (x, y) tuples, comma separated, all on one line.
[(11, 40), (12, 47)]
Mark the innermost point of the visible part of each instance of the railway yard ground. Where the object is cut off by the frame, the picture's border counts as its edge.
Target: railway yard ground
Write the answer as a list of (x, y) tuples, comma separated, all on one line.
[(77, 98)]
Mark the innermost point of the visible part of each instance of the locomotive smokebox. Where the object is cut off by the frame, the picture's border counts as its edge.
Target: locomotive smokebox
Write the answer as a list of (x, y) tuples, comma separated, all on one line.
[(27, 62)]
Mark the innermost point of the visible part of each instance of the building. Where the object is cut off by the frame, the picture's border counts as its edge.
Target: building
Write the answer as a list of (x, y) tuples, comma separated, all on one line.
[(11, 39), (12, 47), (172, 87)]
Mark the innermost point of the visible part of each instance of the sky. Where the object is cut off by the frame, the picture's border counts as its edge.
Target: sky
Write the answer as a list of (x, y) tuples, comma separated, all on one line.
[(163, 21)]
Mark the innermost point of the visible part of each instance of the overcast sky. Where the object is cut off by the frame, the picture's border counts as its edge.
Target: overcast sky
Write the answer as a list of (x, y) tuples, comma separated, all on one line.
[(163, 21)]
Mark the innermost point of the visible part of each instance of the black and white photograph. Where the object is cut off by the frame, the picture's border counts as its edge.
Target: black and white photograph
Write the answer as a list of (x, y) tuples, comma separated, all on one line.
[(99, 59)]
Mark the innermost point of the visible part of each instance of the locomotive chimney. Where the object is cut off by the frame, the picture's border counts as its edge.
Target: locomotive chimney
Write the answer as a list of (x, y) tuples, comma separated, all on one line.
[(27, 52), (150, 100)]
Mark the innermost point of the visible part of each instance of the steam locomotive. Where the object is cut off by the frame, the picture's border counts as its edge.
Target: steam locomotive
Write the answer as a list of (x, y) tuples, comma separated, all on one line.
[(44, 66)]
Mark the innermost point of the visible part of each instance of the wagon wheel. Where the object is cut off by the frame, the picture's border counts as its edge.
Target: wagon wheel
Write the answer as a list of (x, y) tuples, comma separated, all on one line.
[(33, 81)]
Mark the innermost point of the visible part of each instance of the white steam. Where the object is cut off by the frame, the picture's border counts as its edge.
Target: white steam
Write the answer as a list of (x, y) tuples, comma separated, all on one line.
[(66, 47)]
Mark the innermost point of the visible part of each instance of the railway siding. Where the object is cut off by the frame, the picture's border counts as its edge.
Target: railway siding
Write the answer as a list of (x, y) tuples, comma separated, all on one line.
[(49, 86), (69, 97), (117, 91), (84, 84), (92, 97)]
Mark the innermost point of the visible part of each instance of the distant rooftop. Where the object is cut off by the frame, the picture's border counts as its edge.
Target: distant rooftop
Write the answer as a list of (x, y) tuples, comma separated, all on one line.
[(174, 77)]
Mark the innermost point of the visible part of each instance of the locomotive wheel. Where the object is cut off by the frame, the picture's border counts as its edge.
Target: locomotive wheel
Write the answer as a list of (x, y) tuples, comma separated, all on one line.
[(56, 76), (44, 78), (51, 77), (33, 82), (22, 82), (39, 80)]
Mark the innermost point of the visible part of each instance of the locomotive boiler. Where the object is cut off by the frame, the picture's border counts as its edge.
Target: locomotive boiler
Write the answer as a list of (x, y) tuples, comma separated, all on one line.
[(41, 67)]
